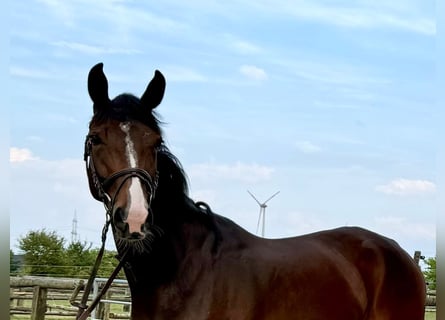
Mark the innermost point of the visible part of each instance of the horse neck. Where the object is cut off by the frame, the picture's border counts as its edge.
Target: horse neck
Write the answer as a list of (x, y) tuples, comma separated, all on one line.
[(183, 230)]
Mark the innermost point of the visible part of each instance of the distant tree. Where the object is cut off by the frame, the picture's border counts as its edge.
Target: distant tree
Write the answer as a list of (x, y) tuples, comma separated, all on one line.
[(13, 265), (109, 263), (80, 259), (43, 253), (430, 273)]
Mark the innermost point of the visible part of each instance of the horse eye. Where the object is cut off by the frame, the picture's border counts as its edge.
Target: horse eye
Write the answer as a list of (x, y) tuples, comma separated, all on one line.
[(95, 139)]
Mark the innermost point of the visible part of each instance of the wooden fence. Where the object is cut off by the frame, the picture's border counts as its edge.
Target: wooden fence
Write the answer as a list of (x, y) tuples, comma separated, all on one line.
[(38, 297), (430, 304)]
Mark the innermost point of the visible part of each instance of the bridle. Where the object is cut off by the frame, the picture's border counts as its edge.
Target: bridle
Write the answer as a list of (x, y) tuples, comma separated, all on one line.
[(99, 185), (98, 188)]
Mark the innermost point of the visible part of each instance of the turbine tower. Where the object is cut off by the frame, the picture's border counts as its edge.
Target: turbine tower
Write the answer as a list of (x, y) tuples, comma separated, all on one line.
[(262, 216)]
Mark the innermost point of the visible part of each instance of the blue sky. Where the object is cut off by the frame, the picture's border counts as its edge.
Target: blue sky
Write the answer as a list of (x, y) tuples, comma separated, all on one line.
[(329, 102)]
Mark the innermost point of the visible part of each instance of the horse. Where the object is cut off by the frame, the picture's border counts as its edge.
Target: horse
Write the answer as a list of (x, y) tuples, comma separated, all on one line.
[(183, 261)]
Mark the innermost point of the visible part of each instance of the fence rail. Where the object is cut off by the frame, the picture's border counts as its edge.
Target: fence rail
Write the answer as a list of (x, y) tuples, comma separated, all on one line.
[(51, 296), (38, 297), (430, 302)]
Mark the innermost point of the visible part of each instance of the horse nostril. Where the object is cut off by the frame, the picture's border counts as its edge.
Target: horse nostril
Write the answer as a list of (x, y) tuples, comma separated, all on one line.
[(119, 215)]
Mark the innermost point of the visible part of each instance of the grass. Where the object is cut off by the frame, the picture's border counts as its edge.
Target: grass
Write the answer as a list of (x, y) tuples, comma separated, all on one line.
[(430, 315), (118, 309), (115, 308)]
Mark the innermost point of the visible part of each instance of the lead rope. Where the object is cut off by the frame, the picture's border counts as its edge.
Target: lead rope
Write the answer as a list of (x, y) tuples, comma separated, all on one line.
[(85, 310), (82, 306), (83, 315)]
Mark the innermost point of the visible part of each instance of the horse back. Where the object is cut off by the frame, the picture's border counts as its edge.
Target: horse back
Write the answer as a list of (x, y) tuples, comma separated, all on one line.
[(345, 273), (390, 282)]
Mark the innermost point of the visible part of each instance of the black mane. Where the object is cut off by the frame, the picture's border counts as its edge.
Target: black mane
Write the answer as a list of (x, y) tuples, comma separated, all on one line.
[(171, 173), (127, 107)]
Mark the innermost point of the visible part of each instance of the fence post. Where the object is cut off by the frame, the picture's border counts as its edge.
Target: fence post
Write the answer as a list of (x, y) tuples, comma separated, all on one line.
[(418, 256), (39, 303), (11, 301), (107, 306), (126, 307), (103, 308), (20, 302)]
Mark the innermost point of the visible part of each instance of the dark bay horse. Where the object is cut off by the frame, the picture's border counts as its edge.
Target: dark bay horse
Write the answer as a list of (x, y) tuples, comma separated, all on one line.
[(186, 262)]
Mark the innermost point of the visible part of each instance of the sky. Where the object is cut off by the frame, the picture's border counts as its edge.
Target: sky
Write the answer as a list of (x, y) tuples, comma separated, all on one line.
[(331, 103)]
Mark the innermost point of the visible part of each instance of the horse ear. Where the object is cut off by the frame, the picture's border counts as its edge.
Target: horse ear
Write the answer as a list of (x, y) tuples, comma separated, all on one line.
[(98, 87), (154, 93)]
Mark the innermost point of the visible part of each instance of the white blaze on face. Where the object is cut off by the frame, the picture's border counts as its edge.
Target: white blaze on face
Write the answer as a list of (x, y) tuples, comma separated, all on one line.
[(138, 208)]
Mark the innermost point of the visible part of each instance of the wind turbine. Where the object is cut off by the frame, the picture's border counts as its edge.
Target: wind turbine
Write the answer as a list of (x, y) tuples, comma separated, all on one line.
[(262, 216)]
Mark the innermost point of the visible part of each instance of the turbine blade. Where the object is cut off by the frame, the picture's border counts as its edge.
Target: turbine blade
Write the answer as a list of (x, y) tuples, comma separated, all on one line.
[(271, 197), (254, 198)]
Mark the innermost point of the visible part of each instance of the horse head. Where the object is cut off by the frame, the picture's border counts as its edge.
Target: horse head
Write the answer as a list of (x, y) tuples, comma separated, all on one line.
[(121, 154)]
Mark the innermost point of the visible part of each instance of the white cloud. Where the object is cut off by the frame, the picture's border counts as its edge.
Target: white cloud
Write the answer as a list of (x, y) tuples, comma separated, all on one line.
[(359, 14), (292, 223), (365, 18), (253, 72), (93, 50), (61, 118), (239, 172), (401, 227), (403, 187), (210, 196), (20, 155), (327, 72), (241, 46), (245, 47), (17, 71), (307, 147), (182, 74), (335, 105), (123, 17), (60, 9), (34, 138)]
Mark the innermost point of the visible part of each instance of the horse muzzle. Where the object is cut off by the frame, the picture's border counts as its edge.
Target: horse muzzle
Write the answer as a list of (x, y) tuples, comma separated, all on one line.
[(130, 225)]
